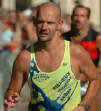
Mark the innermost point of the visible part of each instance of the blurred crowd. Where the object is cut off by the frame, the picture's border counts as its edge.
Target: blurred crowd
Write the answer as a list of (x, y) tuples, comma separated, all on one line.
[(17, 28), (17, 31)]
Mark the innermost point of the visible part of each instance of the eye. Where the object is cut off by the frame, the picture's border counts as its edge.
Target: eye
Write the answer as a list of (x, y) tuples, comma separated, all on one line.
[(80, 15), (83, 15), (40, 22), (50, 22)]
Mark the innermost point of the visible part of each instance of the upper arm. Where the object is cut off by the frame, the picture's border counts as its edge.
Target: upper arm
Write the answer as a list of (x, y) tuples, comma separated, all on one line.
[(19, 72), (86, 65)]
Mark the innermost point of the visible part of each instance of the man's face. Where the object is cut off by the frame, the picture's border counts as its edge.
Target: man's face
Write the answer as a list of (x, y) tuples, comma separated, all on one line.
[(80, 19), (47, 23)]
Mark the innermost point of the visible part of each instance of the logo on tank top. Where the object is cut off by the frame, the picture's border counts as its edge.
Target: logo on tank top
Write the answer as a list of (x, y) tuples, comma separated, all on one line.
[(40, 77), (65, 63)]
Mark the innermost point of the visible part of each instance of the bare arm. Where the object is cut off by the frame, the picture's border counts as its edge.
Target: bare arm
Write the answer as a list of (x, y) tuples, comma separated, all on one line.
[(90, 71), (18, 78), (98, 42), (98, 45), (87, 68)]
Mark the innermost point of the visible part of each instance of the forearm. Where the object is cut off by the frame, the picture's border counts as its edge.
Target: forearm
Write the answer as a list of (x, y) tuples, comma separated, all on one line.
[(14, 87), (92, 91)]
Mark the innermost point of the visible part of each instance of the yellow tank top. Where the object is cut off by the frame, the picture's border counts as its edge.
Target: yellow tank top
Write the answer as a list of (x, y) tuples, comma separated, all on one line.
[(54, 91)]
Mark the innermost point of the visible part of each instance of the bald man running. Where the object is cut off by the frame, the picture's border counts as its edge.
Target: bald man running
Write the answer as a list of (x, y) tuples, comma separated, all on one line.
[(52, 67)]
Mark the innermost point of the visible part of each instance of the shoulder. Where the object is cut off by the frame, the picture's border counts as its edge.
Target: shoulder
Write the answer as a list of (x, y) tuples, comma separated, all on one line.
[(24, 55), (78, 52), (98, 42), (94, 33), (99, 37), (22, 61), (81, 56), (76, 48)]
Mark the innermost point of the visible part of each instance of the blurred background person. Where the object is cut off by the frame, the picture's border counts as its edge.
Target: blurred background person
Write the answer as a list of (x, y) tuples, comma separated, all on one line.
[(83, 34)]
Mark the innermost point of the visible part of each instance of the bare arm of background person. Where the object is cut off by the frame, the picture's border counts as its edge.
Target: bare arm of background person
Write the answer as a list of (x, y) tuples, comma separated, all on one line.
[(86, 66), (98, 42), (19, 76), (98, 45)]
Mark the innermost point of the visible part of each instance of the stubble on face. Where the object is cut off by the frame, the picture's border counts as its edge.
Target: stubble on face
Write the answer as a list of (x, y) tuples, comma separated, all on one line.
[(80, 18), (49, 15)]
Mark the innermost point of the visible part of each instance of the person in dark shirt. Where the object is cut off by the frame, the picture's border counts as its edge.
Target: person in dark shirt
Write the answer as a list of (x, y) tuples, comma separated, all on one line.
[(81, 33)]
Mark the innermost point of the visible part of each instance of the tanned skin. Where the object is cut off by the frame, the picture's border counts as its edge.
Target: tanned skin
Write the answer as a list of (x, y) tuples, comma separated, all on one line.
[(49, 52)]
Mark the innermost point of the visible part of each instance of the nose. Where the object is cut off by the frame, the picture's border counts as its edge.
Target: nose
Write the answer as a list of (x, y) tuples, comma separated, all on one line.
[(78, 17), (44, 26)]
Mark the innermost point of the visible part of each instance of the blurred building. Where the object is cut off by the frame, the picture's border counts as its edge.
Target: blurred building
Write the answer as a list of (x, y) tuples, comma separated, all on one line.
[(66, 6)]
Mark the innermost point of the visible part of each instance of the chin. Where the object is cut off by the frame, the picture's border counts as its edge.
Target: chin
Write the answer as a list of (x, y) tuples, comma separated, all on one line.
[(42, 40)]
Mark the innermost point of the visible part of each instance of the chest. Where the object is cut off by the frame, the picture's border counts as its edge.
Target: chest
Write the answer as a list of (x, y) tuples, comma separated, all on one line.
[(49, 62)]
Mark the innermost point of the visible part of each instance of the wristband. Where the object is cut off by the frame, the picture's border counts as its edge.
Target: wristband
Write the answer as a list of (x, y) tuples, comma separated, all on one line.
[(86, 107)]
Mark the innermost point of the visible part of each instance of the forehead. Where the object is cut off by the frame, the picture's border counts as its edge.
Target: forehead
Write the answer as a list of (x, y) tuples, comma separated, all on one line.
[(81, 11), (48, 13)]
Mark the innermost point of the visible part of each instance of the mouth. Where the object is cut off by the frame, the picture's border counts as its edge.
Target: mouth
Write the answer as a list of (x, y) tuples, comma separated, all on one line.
[(43, 34), (78, 24)]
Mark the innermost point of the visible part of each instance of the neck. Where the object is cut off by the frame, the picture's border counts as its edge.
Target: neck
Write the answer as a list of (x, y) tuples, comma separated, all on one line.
[(82, 32), (49, 46)]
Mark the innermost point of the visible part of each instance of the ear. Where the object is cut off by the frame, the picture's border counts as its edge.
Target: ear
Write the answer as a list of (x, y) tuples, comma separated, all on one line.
[(59, 27)]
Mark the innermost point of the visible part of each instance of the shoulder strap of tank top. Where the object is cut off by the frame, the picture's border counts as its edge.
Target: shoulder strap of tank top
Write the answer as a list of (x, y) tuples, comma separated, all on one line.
[(67, 51), (32, 51)]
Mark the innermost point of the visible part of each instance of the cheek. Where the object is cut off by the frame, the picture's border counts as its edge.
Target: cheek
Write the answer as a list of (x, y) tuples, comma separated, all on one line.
[(38, 27), (74, 19), (84, 20), (37, 30), (52, 31), (54, 28)]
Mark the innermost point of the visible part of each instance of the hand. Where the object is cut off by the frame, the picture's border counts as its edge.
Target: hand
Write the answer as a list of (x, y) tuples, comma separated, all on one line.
[(79, 108), (11, 101)]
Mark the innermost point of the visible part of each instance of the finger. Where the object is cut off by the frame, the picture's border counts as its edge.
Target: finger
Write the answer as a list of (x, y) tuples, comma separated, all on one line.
[(9, 104), (6, 103), (16, 97), (6, 106), (11, 101)]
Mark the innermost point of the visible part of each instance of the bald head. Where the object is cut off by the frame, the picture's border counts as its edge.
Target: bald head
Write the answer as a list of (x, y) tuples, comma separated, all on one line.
[(50, 7)]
